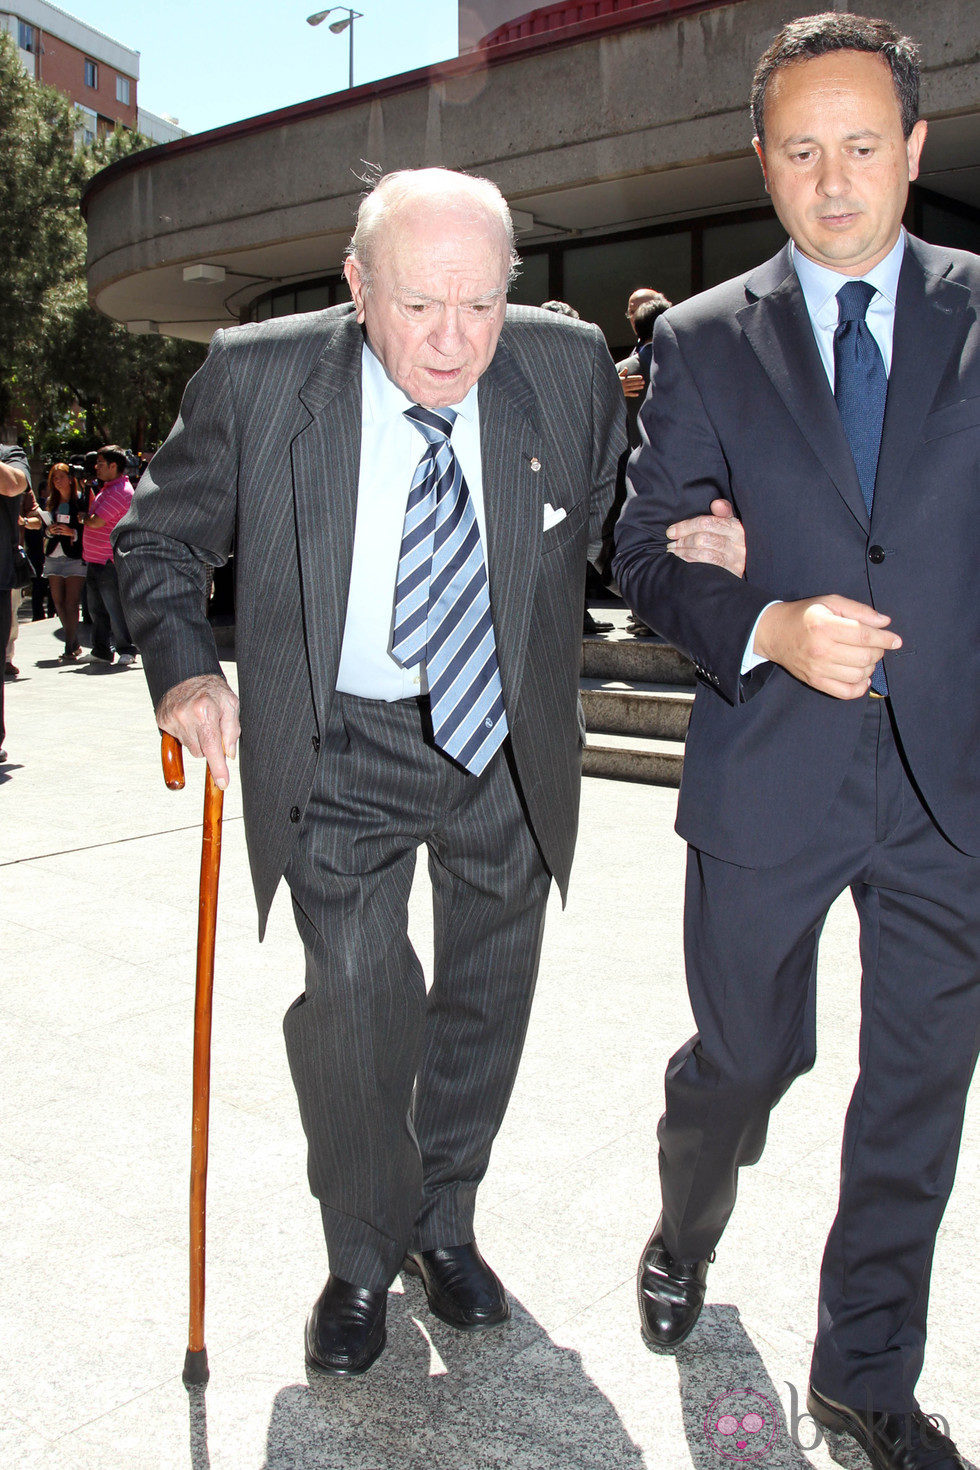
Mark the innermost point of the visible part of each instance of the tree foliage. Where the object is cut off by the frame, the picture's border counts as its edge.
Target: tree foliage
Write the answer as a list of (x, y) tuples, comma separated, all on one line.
[(66, 371)]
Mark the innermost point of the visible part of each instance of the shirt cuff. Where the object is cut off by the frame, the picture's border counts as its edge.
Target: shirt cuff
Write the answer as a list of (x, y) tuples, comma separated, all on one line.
[(750, 659)]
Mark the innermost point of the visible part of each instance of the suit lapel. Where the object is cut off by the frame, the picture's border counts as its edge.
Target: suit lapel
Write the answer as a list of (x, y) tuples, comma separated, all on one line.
[(325, 458), (927, 326), (513, 497), (778, 329)]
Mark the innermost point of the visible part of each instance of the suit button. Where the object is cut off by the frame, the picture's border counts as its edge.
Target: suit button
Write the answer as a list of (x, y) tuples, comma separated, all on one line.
[(294, 814), (316, 742), (876, 554)]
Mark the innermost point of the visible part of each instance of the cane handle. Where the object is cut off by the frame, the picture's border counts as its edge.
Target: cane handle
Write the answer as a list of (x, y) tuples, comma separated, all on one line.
[(172, 756)]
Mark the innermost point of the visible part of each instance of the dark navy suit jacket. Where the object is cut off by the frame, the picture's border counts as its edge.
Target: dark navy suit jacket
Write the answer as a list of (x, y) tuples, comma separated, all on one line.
[(740, 407)]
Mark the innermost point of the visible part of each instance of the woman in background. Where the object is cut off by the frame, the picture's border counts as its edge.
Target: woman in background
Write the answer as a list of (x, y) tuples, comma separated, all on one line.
[(65, 507)]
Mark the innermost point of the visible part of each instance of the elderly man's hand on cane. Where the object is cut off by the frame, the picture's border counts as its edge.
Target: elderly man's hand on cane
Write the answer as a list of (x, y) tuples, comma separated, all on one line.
[(202, 713)]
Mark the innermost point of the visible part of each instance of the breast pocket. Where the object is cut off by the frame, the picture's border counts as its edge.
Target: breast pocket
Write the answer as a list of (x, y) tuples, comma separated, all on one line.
[(565, 530), (953, 419)]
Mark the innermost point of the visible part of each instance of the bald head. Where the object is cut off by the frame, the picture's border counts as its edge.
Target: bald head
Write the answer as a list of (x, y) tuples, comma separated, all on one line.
[(641, 294), (455, 201), (428, 269)]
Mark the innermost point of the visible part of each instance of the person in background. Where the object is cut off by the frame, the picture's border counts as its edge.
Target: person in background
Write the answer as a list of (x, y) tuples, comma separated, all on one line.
[(32, 526), (105, 511), (64, 512), (15, 479), (590, 625), (27, 516), (645, 318), (628, 367)]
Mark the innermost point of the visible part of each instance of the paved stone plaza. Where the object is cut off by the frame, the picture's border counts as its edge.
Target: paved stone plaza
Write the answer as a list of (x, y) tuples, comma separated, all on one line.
[(98, 865)]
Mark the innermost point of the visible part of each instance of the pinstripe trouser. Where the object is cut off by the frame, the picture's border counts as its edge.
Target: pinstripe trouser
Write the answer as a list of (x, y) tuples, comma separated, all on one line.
[(400, 1093)]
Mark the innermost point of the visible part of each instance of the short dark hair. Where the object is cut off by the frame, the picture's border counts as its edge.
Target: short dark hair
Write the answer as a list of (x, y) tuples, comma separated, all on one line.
[(112, 454), (645, 316), (818, 35), (560, 308)]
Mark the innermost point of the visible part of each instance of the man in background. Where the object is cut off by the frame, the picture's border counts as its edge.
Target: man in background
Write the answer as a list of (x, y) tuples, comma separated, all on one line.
[(15, 478), (115, 495)]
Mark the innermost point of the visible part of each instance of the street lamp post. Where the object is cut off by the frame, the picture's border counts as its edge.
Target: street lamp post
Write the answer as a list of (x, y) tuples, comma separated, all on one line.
[(337, 26)]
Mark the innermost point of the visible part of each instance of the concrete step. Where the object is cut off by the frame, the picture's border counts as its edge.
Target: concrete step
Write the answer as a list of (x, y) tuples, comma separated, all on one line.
[(620, 655), (633, 758), (617, 708)]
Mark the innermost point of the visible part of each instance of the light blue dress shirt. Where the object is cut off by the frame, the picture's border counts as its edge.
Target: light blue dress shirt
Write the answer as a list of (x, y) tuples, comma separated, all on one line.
[(820, 286), (390, 451)]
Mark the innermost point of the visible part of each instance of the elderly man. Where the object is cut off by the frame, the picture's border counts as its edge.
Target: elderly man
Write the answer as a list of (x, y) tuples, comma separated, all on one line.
[(409, 640), (833, 394)]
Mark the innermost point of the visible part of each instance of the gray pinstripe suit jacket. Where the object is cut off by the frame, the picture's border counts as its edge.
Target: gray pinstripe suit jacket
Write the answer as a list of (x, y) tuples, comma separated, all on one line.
[(265, 454)]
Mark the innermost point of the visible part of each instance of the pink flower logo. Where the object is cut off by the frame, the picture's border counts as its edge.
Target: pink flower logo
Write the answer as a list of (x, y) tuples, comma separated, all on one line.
[(740, 1424)]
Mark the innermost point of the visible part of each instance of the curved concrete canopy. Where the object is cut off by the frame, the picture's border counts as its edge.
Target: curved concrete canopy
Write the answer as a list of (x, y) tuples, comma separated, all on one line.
[(639, 125)]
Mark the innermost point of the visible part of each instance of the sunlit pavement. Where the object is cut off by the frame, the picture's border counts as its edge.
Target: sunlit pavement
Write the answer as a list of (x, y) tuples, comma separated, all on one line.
[(99, 897)]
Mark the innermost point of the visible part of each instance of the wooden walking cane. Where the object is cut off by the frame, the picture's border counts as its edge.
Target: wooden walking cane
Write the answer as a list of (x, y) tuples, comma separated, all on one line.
[(196, 1359)]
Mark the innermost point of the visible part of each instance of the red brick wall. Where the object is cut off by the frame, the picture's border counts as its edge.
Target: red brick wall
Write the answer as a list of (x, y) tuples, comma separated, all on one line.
[(63, 66)]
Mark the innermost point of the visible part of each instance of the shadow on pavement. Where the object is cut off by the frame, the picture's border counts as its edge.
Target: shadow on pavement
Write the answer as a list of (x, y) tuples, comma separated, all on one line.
[(732, 1410), (198, 1415), (442, 1400)]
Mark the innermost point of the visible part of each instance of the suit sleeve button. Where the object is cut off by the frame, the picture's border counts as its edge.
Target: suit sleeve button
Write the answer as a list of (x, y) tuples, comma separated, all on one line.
[(316, 742), (876, 554), (294, 814)]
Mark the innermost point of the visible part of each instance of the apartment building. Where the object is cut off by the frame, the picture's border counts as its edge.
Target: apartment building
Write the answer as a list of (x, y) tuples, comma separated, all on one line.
[(97, 73)]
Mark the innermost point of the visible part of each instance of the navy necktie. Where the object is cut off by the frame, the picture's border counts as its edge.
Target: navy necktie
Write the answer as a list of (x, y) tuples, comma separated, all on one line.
[(860, 388), (442, 601)]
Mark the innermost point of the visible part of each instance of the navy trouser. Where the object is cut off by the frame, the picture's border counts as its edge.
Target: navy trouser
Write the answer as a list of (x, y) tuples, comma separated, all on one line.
[(751, 945)]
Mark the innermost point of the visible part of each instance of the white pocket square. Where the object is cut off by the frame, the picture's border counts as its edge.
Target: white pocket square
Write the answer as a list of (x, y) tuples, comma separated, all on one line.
[(552, 516)]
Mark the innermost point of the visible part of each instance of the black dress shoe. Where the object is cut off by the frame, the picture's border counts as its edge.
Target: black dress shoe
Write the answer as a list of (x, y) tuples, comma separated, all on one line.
[(591, 625), (890, 1441), (346, 1330), (460, 1286), (670, 1293)]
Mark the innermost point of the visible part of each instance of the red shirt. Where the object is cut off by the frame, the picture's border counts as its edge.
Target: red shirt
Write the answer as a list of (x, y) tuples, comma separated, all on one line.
[(111, 504)]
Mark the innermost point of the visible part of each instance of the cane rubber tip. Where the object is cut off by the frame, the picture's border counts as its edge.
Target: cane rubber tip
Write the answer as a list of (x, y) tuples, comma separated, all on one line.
[(196, 1372)]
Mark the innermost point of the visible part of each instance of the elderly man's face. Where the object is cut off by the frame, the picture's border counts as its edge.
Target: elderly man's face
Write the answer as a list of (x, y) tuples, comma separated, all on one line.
[(835, 161), (436, 301)]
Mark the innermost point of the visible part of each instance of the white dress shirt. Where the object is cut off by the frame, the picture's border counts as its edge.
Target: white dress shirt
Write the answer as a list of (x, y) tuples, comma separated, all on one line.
[(820, 286), (391, 448)]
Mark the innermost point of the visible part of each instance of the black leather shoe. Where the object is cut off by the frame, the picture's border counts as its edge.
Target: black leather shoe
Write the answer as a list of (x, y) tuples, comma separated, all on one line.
[(460, 1286), (890, 1441), (670, 1293), (346, 1330), (591, 625)]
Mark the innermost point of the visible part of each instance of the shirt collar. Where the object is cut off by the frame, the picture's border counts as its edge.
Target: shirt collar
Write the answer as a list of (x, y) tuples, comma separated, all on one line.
[(112, 484), (820, 285), (383, 399)]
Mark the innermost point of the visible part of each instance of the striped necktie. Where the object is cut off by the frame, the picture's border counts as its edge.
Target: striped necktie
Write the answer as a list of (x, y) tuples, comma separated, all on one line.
[(442, 601), (860, 388)]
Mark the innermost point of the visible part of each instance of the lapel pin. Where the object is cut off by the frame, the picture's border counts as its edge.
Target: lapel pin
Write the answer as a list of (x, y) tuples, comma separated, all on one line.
[(535, 464)]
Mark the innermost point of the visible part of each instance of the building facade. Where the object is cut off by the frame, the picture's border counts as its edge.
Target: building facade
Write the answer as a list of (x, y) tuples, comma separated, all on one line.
[(618, 132), (98, 74)]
